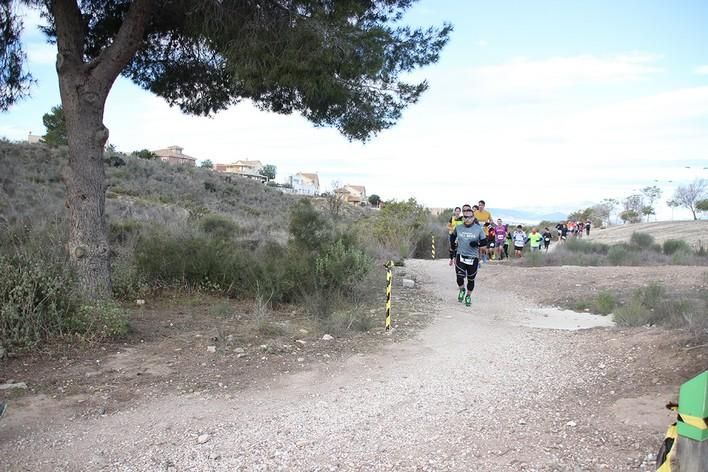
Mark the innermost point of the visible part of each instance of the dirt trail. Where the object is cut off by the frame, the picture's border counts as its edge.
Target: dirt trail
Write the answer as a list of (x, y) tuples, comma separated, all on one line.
[(480, 389)]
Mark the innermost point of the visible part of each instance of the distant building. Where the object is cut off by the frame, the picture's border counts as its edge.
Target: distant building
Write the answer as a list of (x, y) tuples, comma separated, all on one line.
[(34, 139), (305, 184), (353, 194), (174, 155), (248, 169)]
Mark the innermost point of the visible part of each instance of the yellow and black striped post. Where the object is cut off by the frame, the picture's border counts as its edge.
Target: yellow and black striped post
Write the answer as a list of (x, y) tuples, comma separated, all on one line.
[(433, 246), (389, 280)]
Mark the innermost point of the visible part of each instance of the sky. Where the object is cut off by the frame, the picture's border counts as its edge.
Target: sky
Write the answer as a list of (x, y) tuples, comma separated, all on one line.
[(548, 106)]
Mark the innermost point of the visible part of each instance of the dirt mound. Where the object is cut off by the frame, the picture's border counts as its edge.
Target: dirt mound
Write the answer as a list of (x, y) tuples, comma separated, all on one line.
[(692, 232)]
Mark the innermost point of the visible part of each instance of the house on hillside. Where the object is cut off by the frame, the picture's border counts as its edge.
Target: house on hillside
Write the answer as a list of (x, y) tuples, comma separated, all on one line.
[(248, 169), (174, 155), (34, 139), (305, 184), (353, 194)]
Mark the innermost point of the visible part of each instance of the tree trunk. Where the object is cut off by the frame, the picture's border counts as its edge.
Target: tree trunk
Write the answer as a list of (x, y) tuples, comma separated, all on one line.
[(84, 87), (85, 184)]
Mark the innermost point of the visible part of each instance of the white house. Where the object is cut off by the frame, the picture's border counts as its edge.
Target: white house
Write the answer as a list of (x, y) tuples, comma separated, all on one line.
[(243, 168), (305, 184)]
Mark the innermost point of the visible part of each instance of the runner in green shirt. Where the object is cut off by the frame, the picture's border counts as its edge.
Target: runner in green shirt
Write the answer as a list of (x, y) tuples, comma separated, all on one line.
[(535, 240)]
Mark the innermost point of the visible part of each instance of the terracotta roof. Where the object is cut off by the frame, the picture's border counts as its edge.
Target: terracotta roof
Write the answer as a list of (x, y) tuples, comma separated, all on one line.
[(312, 177), (248, 163), (358, 188), (173, 151)]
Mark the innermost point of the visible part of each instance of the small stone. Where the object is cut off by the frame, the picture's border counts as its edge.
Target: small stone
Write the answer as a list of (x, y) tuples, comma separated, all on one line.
[(327, 337), (7, 386), (408, 283), (301, 359), (303, 331), (211, 348), (239, 350), (140, 302), (203, 439), (300, 342), (571, 423)]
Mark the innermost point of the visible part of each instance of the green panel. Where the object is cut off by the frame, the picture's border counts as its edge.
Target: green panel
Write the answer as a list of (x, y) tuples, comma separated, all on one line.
[(693, 396), (688, 431)]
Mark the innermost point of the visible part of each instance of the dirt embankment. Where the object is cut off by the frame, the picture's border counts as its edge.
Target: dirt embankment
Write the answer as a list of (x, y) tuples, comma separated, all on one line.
[(693, 232)]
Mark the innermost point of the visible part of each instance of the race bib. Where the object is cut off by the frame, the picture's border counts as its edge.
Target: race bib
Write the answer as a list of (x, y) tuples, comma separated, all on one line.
[(467, 260)]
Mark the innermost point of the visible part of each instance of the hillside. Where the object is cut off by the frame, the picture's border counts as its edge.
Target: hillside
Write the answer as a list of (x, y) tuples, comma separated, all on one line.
[(32, 190), (690, 231)]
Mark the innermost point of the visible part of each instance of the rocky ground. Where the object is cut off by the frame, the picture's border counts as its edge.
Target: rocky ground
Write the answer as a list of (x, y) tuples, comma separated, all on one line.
[(508, 384)]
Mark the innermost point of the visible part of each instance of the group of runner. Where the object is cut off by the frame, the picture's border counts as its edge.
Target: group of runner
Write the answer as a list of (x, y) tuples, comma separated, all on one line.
[(476, 238), (573, 229)]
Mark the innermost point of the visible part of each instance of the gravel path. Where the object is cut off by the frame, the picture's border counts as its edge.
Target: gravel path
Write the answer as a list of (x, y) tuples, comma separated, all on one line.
[(479, 389)]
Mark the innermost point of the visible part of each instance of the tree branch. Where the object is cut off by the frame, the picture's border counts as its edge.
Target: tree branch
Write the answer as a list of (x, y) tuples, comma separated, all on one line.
[(70, 32), (115, 57)]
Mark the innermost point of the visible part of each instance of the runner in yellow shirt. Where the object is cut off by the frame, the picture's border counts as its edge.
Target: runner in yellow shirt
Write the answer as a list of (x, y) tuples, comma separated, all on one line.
[(482, 215)]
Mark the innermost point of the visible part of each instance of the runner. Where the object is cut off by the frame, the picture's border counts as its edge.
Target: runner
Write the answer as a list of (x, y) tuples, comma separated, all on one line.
[(482, 215), (455, 222), (588, 225), (471, 241), (455, 219), (500, 243), (507, 243), (547, 236), (520, 239), (535, 240)]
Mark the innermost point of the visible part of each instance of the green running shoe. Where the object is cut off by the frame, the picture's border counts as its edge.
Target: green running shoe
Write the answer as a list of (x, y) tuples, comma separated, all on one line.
[(468, 300), (461, 295)]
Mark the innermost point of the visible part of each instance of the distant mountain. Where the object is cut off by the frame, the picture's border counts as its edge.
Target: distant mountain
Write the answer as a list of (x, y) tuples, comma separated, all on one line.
[(525, 216)]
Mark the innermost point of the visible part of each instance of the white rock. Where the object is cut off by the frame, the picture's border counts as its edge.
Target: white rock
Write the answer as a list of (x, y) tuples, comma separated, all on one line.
[(571, 423), (300, 359), (303, 331), (408, 283), (327, 337), (203, 438), (300, 341), (239, 350), (140, 302), (211, 348), (8, 386)]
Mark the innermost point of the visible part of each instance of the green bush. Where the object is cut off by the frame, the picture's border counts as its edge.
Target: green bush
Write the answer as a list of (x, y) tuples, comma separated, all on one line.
[(585, 247), (673, 245), (36, 297), (98, 321), (192, 261), (617, 255), (604, 303), (309, 229), (682, 257), (632, 314), (219, 226), (120, 232), (641, 240), (399, 226)]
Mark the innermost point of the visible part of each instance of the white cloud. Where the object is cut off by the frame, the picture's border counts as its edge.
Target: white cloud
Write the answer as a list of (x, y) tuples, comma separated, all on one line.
[(701, 70), (41, 53), (482, 43), (533, 79)]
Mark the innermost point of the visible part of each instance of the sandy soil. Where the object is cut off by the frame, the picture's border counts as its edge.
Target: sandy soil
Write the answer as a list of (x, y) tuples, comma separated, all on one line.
[(690, 231), (505, 385)]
